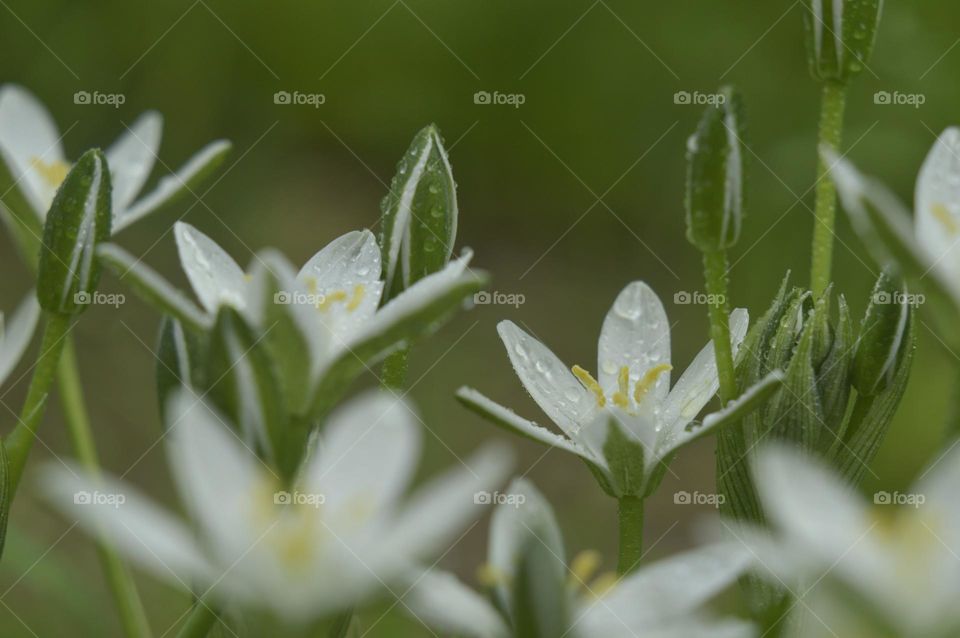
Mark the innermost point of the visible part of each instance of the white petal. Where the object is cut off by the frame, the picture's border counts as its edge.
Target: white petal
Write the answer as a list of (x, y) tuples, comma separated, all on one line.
[(441, 601), (347, 266), (699, 381), (509, 419), (686, 628), (224, 486), (28, 136), (214, 275), (549, 382), (367, 455), (15, 333), (130, 520), (131, 159), (937, 216), (523, 516), (635, 334), (185, 179), (668, 590), (938, 486)]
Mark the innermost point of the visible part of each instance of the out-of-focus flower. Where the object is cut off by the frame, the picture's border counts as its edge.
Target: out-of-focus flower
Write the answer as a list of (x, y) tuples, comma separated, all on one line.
[(30, 147), (334, 538), (15, 334), (534, 592)]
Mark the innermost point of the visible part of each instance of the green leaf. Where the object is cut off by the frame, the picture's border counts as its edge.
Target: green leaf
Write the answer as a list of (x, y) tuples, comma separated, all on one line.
[(6, 497), (625, 457), (179, 357), (153, 288), (833, 376), (79, 220), (539, 592), (419, 214), (796, 413), (716, 155), (840, 36), (881, 336)]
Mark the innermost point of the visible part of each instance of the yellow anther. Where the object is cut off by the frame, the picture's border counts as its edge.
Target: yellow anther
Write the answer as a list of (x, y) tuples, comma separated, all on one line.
[(942, 214), (311, 285), (649, 380), (603, 584), (296, 544), (584, 566), (489, 576), (590, 384), (247, 277), (354, 302), (330, 298), (621, 397), (52, 172)]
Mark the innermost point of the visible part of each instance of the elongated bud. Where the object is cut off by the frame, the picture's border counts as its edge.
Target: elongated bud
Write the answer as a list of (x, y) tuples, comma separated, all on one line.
[(880, 345), (840, 36), (78, 221), (715, 175), (419, 214)]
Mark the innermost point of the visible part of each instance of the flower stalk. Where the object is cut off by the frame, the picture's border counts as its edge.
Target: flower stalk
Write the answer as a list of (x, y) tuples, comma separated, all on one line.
[(715, 274), (630, 512), (832, 106)]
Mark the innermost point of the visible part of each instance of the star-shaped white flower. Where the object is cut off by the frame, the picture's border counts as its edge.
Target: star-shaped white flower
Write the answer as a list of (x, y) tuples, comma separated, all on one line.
[(16, 332), (632, 391), (663, 600), (30, 147), (901, 561), (338, 536)]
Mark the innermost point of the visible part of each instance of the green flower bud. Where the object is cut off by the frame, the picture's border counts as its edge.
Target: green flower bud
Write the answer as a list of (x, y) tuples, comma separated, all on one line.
[(419, 214), (78, 221), (840, 36), (715, 175), (880, 345)]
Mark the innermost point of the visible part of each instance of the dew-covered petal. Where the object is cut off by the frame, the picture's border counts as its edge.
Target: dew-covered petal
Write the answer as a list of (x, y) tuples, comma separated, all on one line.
[(441, 601), (214, 275), (937, 216), (131, 158), (635, 334), (558, 393)]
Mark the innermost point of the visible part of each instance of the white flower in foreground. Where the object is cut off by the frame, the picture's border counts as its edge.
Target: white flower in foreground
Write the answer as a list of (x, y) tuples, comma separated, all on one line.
[(633, 390), (30, 147), (341, 534), (931, 242), (662, 600), (899, 564), (16, 332)]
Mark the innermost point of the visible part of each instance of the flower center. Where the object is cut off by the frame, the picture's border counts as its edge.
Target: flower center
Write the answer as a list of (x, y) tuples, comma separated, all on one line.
[(52, 172), (352, 300), (621, 397)]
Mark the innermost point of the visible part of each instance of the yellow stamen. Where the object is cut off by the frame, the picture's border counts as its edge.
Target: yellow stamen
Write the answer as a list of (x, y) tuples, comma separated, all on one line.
[(489, 576), (296, 544), (247, 277), (330, 298), (590, 384), (649, 380), (52, 172), (584, 566), (357, 297), (603, 584), (621, 397), (942, 214), (311, 285)]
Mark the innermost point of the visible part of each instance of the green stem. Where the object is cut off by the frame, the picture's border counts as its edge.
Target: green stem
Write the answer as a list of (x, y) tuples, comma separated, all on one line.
[(395, 369), (20, 440), (832, 106), (201, 620), (630, 510), (133, 617), (715, 274)]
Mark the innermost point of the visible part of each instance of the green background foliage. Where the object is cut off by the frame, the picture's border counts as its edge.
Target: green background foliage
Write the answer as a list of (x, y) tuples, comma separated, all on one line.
[(565, 199)]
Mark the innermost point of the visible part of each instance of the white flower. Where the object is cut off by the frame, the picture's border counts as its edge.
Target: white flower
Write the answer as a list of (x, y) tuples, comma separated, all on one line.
[(336, 295), (901, 561), (661, 600), (31, 148), (15, 334), (336, 537), (633, 390)]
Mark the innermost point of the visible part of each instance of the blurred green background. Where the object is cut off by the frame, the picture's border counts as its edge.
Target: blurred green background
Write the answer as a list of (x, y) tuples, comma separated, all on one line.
[(565, 199)]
